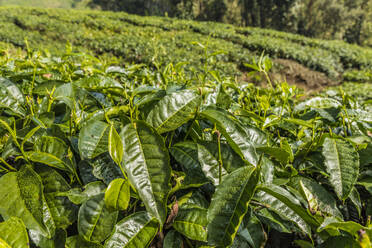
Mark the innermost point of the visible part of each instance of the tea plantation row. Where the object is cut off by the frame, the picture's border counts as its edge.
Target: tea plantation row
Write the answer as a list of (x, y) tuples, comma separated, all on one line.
[(158, 41)]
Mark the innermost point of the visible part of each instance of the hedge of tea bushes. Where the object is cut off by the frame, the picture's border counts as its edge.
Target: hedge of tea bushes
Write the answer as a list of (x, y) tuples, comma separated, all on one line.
[(159, 41)]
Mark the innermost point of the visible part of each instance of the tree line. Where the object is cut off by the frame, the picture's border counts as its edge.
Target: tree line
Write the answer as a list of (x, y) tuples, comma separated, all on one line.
[(349, 20)]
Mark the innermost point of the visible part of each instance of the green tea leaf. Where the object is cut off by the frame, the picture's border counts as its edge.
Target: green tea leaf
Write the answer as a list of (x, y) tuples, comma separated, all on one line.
[(278, 153), (255, 135), (146, 161), (348, 226), (79, 242), (229, 204), (299, 122), (239, 242), (54, 152), (11, 97), (324, 200), (95, 221), (253, 233), (57, 241), (366, 182), (76, 196), (173, 240), (186, 154), (192, 223), (318, 102), (210, 165), (230, 159), (193, 198), (115, 146), (100, 83), (117, 195), (62, 210), (342, 164), (197, 160), (286, 205), (93, 139), (105, 168), (275, 221), (136, 230), (21, 195), (50, 160), (174, 110), (355, 199), (233, 131), (340, 242), (13, 234)]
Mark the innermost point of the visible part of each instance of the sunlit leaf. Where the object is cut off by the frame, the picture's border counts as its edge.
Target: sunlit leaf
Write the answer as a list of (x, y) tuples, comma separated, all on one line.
[(173, 110), (117, 195), (13, 234), (146, 161), (342, 164), (136, 230), (95, 221), (229, 204)]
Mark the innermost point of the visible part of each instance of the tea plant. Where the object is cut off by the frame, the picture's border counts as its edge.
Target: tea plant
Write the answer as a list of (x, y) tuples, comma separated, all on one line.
[(99, 155), (138, 39)]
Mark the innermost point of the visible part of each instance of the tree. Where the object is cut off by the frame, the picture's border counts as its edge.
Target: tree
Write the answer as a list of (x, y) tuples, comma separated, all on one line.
[(350, 20)]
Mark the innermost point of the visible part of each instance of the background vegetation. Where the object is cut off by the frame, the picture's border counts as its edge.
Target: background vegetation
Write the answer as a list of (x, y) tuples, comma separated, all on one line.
[(149, 40), (39, 3), (346, 20)]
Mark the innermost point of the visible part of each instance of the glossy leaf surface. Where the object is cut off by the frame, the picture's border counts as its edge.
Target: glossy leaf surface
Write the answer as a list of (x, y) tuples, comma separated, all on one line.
[(95, 221), (115, 146), (173, 110), (315, 193), (21, 195), (342, 164), (136, 230), (79, 242), (197, 161), (192, 223), (146, 161), (11, 97), (62, 210), (173, 240), (117, 195), (93, 139), (13, 234), (286, 205), (229, 204), (233, 132), (57, 241)]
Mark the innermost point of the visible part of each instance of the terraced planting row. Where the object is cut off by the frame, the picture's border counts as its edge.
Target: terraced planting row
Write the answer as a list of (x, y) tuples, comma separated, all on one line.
[(156, 40)]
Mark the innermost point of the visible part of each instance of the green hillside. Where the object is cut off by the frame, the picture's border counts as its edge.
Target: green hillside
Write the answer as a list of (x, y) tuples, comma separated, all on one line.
[(159, 41), (39, 3)]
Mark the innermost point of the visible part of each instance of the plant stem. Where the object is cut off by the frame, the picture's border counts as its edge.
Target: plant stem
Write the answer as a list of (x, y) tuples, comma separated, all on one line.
[(220, 163)]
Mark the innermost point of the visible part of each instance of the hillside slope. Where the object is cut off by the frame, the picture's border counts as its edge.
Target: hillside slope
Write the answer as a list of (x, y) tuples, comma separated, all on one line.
[(38, 3), (159, 41)]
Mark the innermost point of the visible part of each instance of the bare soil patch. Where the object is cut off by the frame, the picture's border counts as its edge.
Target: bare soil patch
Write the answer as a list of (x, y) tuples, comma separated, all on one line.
[(296, 74), (301, 76)]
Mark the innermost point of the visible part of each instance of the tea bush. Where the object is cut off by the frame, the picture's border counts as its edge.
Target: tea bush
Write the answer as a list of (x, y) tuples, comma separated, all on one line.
[(95, 153), (159, 41)]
